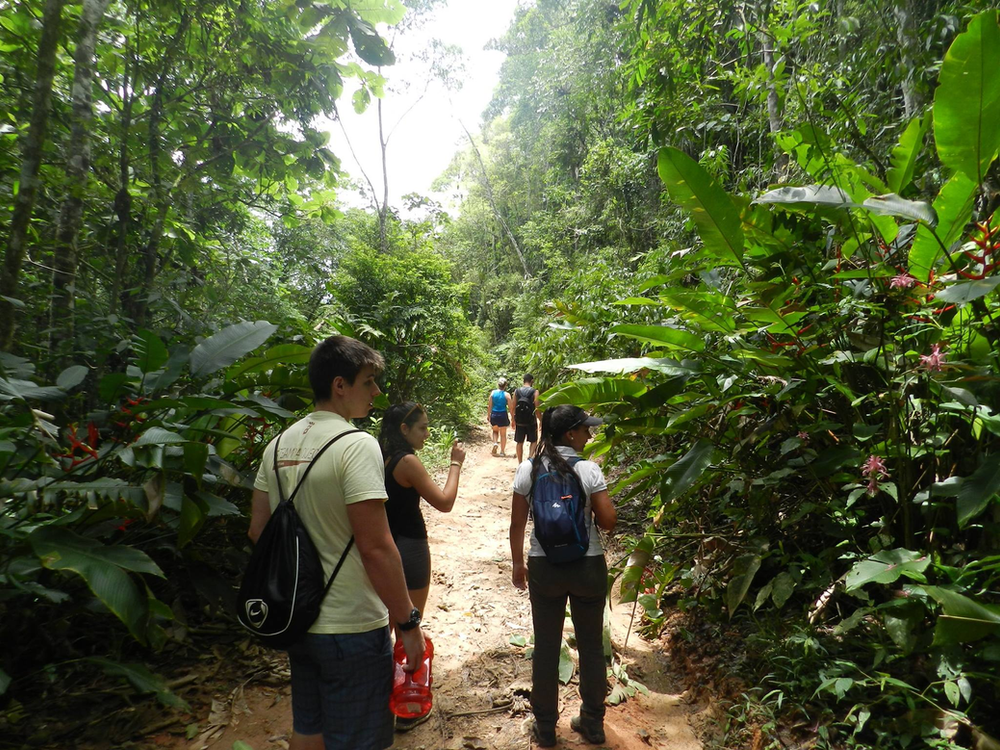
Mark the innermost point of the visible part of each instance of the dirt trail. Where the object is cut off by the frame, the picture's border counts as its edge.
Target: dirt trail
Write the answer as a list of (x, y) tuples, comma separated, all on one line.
[(481, 681)]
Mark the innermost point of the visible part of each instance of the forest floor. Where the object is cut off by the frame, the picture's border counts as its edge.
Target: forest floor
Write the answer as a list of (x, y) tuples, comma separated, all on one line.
[(481, 680)]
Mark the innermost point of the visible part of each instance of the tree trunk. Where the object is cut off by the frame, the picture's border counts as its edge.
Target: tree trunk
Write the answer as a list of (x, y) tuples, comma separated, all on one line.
[(774, 119), (24, 203), (123, 199), (383, 210), (907, 24), (65, 258), (493, 205)]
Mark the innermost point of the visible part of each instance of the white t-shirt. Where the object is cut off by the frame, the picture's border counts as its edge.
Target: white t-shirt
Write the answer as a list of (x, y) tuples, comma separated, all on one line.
[(591, 479), (349, 471)]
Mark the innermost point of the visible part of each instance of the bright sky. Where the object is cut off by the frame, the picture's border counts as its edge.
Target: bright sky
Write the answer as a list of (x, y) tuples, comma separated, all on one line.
[(421, 148)]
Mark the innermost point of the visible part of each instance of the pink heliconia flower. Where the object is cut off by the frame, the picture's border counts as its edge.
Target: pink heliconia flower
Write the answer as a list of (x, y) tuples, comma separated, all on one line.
[(934, 361), (874, 469), (902, 281)]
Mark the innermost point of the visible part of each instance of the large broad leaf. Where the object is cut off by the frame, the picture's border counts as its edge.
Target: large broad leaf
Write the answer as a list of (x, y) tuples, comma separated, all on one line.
[(886, 567), (744, 569), (565, 665), (150, 352), (713, 211), (593, 391), (102, 567), (966, 291), (967, 99), (284, 354), (25, 389), (964, 619), (628, 365), (142, 680), (893, 205), (662, 336), (683, 474), (159, 436), (389, 12), (976, 491), (953, 207), (72, 376), (228, 345), (816, 195), (904, 155)]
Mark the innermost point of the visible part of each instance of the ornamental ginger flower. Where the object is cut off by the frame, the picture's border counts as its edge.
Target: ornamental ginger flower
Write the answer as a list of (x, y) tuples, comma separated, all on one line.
[(902, 281), (874, 469), (933, 362)]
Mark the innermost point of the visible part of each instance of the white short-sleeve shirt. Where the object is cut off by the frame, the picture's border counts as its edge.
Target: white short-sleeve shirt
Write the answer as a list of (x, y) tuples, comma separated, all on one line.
[(591, 479)]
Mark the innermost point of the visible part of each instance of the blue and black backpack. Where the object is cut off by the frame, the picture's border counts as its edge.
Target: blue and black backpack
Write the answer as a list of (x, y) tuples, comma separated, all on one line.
[(558, 505)]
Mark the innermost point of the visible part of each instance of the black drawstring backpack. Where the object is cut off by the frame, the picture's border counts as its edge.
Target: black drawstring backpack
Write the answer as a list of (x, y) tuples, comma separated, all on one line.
[(283, 587)]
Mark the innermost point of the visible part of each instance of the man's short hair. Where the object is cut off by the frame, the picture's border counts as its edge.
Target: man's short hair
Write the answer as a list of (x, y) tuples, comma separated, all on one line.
[(339, 356), (528, 378)]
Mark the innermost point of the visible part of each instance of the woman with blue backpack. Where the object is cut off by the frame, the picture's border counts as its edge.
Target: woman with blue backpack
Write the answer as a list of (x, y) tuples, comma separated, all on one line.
[(566, 496), (501, 409)]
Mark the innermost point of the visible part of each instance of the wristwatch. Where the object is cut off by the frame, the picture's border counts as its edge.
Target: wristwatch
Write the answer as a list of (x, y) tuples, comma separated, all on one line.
[(412, 622)]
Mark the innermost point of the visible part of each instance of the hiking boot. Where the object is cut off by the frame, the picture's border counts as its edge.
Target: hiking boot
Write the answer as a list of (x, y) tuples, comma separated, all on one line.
[(593, 735), (405, 725), (543, 737), (495, 448)]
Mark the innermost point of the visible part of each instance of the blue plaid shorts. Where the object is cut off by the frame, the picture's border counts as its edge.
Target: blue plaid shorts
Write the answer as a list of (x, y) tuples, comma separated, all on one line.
[(340, 689)]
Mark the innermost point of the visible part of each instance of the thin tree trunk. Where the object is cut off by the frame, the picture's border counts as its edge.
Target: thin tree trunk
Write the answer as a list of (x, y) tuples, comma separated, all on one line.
[(31, 159), (774, 119), (906, 13), (493, 205), (384, 208), (65, 259), (123, 199)]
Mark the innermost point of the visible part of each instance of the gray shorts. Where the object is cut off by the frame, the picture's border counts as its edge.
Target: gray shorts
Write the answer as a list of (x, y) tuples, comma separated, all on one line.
[(416, 557), (340, 689)]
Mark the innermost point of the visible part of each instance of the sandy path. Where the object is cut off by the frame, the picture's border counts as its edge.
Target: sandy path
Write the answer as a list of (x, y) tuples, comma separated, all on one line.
[(481, 680)]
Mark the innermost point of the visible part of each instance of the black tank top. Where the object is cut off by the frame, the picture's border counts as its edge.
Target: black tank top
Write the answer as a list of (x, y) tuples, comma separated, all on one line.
[(403, 505)]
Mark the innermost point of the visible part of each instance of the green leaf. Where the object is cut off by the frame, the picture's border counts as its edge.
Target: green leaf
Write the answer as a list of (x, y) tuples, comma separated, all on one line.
[(966, 291), (150, 352), (71, 377), (713, 211), (159, 436), (744, 569), (904, 155), (389, 12), (783, 585), (283, 354), (593, 391), (192, 519), (241, 745), (886, 567), (228, 345), (662, 336), (565, 665), (964, 619), (683, 474), (815, 195), (628, 365), (967, 99), (142, 680), (518, 640), (893, 205), (4, 682), (953, 207), (976, 491), (102, 567)]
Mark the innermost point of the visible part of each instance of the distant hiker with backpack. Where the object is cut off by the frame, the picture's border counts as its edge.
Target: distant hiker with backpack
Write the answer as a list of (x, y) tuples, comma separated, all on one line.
[(501, 407), (565, 496), (526, 404), (341, 669), (405, 429)]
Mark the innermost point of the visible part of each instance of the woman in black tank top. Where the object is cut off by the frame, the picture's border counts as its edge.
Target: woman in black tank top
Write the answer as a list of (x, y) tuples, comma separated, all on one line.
[(404, 431)]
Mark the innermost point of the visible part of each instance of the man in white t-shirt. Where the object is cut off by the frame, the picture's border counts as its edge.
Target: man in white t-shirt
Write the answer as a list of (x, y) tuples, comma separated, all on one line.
[(342, 668)]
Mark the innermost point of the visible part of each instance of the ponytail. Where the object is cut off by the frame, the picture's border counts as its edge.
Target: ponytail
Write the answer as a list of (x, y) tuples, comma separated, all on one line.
[(555, 423)]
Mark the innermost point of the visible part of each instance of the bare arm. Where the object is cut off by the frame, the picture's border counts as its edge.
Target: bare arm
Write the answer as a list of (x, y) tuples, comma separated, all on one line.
[(384, 568), (604, 510), (510, 408), (410, 472), (260, 514), (518, 522)]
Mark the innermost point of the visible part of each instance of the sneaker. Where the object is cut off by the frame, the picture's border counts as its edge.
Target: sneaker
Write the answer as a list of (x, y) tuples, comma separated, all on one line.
[(495, 448), (543, 737), (405, 725), (593, 735)]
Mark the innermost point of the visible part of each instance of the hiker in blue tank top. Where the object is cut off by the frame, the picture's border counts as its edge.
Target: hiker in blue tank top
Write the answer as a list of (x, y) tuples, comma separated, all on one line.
[(501, 407), (583, 580)]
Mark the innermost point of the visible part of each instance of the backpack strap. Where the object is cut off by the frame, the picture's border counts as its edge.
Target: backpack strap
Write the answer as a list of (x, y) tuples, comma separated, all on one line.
[(281, 496), (320, 452)]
